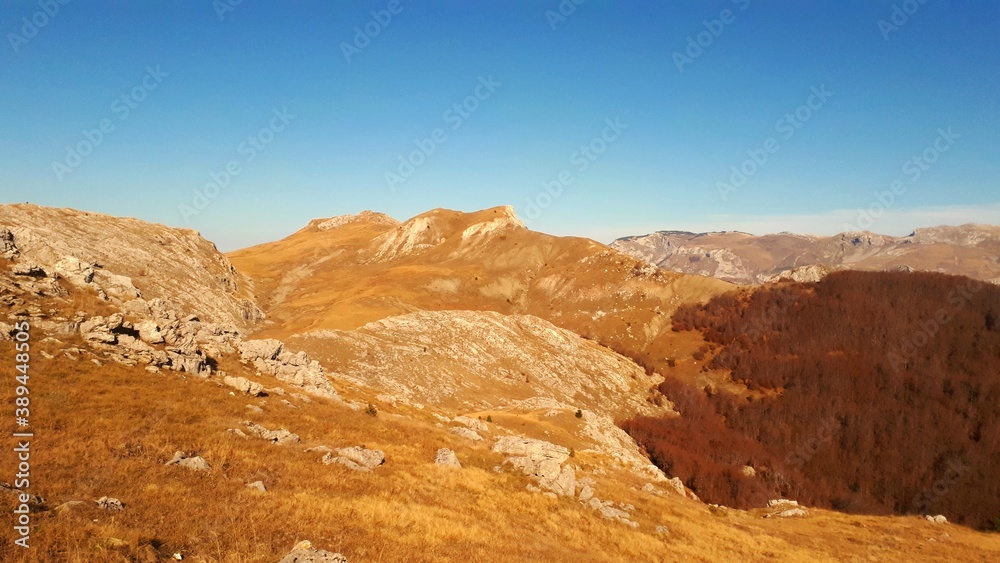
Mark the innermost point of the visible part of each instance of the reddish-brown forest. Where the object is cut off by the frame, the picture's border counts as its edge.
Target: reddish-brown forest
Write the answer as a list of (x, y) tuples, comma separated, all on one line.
[(882, 395)]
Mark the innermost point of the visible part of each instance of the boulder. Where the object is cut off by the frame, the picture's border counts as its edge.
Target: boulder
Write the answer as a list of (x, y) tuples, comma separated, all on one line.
[(939, 519), (356, 458), (110, 504), (7, 247), (304, 552), (539, 459), (444, 456), (244, 385), (194, 463), (75, 270), (149, 332), (281, 437), (678, 486)]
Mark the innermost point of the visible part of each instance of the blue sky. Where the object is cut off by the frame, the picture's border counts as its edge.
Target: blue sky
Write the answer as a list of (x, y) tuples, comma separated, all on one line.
[(312, 106)]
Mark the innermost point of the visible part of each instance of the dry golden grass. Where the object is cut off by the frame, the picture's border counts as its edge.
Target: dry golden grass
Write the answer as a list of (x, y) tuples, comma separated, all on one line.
[(108, 430)]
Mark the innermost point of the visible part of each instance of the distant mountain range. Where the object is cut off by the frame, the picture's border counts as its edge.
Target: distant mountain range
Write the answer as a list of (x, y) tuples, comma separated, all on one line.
[(968, 250)]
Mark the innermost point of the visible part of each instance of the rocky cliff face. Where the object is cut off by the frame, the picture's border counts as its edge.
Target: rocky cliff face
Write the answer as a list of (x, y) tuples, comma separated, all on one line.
[(969, 250)]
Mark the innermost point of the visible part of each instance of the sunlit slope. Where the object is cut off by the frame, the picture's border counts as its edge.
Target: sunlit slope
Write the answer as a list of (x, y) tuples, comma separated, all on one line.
[(346, 272)]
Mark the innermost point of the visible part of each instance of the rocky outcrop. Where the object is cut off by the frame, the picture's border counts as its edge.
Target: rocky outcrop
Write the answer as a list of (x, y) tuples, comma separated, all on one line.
[(304, 552), (271, 357), (541, 460), (356, 457), (122, 259)]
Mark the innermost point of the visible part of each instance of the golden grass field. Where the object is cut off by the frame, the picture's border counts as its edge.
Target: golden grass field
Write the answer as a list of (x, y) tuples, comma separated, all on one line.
[(107, 430)]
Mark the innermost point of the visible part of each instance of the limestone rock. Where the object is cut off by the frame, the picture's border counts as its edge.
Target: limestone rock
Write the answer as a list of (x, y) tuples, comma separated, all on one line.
[(244, 385), (539, 459), (304, 552), (466, 433), (678, 486), (444, 456), (939, 519), (257, 486), (356, 458), (477, 425), (270, 357), (194, 463), (110, 504), (281, 437)]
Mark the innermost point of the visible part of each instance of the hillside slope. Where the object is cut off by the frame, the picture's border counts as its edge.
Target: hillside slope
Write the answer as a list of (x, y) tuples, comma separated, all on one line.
[(346, 272)]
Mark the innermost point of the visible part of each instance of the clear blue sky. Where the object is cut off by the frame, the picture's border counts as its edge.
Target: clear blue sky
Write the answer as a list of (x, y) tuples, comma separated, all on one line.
[(216, 81)]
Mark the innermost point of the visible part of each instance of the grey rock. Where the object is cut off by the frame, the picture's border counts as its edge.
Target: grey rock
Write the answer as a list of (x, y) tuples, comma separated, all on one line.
[(539, 459), (244, 385), (304, 552), (257, 486), (444, 456), (110, 504), (356, 458), (194, 463), (281, 437)]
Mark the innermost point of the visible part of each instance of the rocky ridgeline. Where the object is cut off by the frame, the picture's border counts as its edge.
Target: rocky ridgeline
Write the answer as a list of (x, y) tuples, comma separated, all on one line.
[(968, 250), (123, 259), (144, 332)]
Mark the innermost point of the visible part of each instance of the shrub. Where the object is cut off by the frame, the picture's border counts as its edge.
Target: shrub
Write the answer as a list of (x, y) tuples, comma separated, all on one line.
[(370, 410), (579, 413)]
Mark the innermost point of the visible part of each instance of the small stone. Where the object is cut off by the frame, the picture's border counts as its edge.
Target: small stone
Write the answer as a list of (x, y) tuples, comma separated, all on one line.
[(257, 486), (110, 504)]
